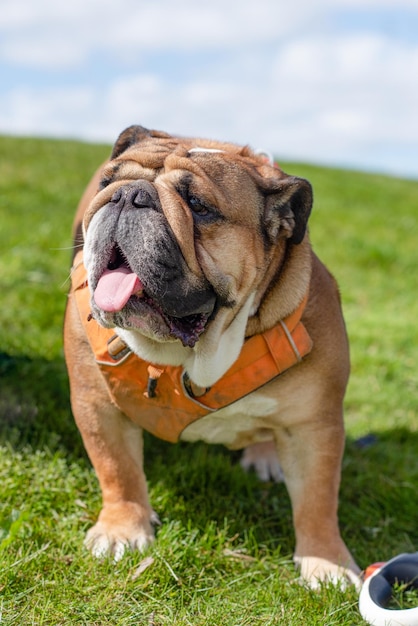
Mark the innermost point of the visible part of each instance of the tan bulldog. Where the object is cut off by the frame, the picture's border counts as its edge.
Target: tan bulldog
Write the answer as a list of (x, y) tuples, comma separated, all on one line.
[(198, 310)]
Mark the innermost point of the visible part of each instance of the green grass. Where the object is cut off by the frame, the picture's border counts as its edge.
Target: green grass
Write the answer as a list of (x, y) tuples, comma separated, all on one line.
[(223, 553)]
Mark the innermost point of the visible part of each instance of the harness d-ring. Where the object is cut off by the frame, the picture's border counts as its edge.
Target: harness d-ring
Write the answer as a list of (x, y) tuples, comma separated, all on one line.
[(377, 591)]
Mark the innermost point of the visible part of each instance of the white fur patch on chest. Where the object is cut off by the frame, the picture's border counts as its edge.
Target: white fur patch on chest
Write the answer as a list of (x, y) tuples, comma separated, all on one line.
[(226, 425)]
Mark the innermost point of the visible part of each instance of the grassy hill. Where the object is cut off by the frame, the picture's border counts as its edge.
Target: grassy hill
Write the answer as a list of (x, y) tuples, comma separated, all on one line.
[(223, 552)]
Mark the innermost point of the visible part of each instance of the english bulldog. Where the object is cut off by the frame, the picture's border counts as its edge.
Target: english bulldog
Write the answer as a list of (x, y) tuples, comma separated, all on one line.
[(198, 311)]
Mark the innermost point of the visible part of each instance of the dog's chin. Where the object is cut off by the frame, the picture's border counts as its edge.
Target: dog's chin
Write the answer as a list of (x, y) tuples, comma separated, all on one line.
[(146, 317)]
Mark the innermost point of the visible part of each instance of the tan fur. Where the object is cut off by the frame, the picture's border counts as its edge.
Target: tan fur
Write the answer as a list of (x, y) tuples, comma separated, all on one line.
[(300, 410)]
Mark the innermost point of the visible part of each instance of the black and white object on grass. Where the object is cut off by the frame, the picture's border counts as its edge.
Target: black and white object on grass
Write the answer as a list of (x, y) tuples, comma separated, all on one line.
[(376, 592)]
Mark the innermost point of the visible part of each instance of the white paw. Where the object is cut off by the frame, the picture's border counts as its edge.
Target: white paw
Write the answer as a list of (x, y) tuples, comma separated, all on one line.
[(103, 540), (262, 457), (316, 571)]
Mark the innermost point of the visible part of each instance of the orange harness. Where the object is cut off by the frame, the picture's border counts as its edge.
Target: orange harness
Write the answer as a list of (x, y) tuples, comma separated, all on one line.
[(163, 400)]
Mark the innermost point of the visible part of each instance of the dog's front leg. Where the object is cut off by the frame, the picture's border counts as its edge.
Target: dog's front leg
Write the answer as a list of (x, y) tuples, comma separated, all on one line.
[(114, 445), (310, 455)]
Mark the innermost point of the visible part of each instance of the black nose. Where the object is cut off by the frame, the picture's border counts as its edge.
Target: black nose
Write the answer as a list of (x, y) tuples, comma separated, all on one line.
[(140, 194)]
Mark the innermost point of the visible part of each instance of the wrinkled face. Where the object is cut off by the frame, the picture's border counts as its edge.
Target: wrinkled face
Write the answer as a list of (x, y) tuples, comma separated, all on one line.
[(177, 234)]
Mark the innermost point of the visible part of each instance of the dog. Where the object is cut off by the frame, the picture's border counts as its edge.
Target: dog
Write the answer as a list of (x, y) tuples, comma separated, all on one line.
[(199, 311)]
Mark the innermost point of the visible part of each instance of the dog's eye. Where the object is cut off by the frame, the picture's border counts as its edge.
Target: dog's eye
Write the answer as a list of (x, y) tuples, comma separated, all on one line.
[(201, 210), (197, 206), (105, 181)]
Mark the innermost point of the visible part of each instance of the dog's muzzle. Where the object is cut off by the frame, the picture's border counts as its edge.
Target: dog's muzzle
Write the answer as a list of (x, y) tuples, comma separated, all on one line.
[(138, 265)]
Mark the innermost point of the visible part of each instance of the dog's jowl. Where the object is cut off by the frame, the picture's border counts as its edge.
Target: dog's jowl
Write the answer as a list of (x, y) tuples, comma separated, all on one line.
[(198, 310)]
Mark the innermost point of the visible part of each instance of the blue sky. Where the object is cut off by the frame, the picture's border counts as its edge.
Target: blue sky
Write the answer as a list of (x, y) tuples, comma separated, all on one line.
[(330, 81)]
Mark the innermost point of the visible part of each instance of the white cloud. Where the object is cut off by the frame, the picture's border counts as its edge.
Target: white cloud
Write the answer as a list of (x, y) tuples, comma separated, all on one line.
[(274, 74), (33, 31), (357, 90), (53, 53), (49, 111)]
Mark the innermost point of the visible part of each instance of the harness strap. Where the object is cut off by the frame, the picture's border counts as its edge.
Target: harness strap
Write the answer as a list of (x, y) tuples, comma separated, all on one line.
[(168, 407)]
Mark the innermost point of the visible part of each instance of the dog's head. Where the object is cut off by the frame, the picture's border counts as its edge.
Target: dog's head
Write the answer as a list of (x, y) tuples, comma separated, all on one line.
[(183, 241)]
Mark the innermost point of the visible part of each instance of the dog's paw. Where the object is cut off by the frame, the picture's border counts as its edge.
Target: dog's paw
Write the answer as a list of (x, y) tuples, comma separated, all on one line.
[(315, 572), (118, 529), (262, 457)]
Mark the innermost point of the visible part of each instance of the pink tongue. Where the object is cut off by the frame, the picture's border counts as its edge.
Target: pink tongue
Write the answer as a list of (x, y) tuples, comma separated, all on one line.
[(115, 287)]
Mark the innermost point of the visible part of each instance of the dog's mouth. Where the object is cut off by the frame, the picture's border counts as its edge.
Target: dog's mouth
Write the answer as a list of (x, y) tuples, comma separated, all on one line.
[(119, 288)]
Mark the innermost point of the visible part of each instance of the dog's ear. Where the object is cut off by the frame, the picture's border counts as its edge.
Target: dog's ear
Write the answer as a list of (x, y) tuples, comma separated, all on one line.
[(134, 135), (127, 138), (288, 205)]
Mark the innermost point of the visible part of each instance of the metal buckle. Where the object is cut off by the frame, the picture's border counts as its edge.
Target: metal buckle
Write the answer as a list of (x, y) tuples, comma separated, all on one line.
[(117, 348)]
